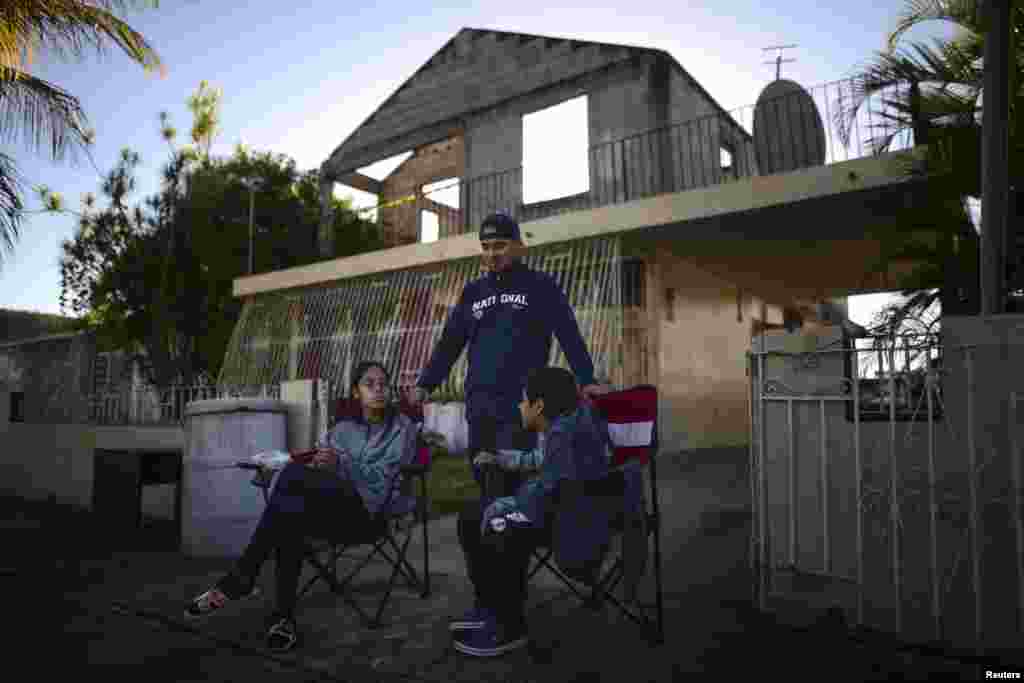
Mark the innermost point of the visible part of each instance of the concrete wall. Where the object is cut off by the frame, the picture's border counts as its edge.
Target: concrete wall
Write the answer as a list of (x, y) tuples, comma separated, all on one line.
[(685, 102), (984, 392), (701, 334), (476, 71), (621, 101), (39, 461), (54, 373)]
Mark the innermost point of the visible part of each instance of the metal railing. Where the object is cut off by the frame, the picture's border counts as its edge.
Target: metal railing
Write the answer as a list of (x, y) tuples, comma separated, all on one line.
[(138, 403), (692, 154)]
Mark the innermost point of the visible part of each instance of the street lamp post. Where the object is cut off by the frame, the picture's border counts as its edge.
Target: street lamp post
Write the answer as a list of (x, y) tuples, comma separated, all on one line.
[(252, 185), (252, 230)]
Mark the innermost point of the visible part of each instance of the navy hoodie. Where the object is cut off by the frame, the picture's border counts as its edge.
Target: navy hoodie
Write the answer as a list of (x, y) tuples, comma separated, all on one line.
[(508, 319)]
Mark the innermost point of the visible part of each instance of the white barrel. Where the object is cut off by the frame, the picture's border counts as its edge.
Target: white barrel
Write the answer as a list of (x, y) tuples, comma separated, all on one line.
[(220, 506)]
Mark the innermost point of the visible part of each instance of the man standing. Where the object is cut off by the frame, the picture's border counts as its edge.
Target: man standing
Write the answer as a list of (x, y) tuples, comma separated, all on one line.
[(507, 317)]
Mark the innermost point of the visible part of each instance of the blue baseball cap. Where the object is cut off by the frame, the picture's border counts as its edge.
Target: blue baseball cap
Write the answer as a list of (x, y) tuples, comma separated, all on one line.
[(500, 226)]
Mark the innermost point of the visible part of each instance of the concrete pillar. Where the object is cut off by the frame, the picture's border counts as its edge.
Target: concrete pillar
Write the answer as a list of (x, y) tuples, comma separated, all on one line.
[(979, 414)]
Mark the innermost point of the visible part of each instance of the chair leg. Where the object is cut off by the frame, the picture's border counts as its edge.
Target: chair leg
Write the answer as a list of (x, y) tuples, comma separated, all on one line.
[(394, 575), (541, 562), (337, 588), (334, 553), (426, 542), (659, 602), (545, 562), (408, 571), (605, 584)]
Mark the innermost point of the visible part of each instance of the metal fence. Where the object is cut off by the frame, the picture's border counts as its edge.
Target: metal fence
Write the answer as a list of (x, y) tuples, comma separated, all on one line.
[(686, 155), (910, 524), (140, 404)]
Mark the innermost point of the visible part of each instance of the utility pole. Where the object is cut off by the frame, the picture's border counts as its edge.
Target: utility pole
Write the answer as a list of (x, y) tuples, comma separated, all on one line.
[(995, 143), (778, 61), (251, 184)]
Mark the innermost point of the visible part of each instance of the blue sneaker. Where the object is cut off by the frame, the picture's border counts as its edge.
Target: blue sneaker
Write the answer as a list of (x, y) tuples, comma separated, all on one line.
[(473, 619), (491, 640)]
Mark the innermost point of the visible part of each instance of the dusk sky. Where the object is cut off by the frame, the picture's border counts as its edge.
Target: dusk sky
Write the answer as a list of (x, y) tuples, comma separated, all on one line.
[(298, 77)]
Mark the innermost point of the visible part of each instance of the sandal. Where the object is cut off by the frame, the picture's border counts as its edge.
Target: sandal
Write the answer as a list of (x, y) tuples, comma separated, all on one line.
[(282, 635), (213, 600)]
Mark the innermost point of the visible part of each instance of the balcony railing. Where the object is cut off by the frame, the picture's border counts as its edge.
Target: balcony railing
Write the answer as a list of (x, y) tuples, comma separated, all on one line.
[(682, 156), (694, 154)]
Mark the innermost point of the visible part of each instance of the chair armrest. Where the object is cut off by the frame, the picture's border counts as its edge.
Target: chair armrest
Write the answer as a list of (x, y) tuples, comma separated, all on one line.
[(263, 477)]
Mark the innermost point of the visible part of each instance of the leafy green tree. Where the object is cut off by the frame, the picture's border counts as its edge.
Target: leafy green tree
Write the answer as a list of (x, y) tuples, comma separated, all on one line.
[(159, 276)]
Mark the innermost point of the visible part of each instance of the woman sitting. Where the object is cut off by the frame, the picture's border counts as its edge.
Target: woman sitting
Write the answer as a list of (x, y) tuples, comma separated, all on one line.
[(334, 497)]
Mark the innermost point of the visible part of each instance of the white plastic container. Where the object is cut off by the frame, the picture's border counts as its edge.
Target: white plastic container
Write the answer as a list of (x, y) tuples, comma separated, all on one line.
[(220, 506), (448, 419)]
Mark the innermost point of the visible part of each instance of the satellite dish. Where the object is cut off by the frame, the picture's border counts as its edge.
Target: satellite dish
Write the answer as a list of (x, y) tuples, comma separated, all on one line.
[(788, 133)]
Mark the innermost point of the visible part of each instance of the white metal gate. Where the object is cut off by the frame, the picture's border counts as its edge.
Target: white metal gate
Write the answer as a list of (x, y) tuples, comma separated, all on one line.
[(898, 498)]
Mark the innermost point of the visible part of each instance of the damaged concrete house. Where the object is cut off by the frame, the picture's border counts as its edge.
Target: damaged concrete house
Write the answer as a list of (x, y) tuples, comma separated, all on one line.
[(686, 231)]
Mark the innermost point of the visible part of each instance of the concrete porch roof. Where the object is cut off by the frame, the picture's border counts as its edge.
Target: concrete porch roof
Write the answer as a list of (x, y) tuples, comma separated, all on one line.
[(824, 204)]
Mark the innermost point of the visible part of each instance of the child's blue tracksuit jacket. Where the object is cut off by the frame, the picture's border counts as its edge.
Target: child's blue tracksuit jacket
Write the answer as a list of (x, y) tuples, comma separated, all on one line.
[(577, 447), (507, 319)]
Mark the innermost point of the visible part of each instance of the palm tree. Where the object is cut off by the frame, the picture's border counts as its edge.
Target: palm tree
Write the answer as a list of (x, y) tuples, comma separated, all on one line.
[(935, 91), (43, 116)]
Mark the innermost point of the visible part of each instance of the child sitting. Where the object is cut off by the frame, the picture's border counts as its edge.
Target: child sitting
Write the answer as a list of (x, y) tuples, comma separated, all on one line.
[(498, 539), (351, 477)]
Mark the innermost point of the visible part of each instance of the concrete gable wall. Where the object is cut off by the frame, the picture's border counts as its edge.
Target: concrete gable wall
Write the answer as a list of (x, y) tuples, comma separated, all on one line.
[(471, 75), (621, 102), (696, 143)]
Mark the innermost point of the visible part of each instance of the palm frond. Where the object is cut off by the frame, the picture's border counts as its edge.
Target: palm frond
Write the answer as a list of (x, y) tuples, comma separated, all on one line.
[(41, 115), (11, 186), (939, 71), (66, 29), (961, 12)]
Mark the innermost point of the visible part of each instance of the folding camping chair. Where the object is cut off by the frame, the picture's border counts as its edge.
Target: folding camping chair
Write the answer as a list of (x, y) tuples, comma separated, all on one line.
[(388, 535), (632, 416)]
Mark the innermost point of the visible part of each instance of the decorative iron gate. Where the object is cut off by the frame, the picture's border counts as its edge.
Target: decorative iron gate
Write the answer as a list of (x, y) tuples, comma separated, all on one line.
[(896, 499)]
